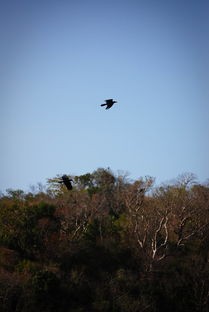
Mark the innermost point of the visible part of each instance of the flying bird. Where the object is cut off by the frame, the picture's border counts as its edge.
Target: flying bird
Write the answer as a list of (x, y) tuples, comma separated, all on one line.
[(67, 182), (109, 103)]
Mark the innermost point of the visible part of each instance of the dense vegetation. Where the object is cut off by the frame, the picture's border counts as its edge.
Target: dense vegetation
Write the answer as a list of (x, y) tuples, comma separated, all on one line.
[(110, 244)]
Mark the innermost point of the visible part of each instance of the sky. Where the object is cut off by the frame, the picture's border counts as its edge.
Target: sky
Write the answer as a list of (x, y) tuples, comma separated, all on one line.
[(60, 60)]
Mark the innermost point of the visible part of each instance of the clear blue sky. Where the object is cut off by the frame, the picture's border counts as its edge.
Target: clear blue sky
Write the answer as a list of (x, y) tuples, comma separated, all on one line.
[(61, 59)]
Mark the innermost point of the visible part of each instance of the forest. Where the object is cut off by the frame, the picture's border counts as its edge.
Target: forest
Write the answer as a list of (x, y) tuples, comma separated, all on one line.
[(110, 244)]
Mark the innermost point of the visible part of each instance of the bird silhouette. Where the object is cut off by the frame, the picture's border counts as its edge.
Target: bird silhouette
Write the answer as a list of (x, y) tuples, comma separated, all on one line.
[(109, 103), (67, 182)]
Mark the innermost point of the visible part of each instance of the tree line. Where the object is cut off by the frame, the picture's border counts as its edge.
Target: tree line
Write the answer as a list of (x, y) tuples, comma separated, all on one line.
[(110, 244)]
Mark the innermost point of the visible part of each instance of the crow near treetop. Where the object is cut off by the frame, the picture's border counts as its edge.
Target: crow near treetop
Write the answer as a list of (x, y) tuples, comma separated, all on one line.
[(109, 103), (67, 182)]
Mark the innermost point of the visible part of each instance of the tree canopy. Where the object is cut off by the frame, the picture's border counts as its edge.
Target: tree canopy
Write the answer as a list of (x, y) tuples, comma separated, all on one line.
[(109, 244)]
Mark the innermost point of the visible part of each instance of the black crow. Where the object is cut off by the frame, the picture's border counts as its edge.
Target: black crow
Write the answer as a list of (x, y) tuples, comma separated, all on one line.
[(67, 182), (109, 103)]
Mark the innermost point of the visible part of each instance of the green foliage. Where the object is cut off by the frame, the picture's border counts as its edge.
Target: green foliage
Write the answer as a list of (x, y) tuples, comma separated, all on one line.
[(21, 227)]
